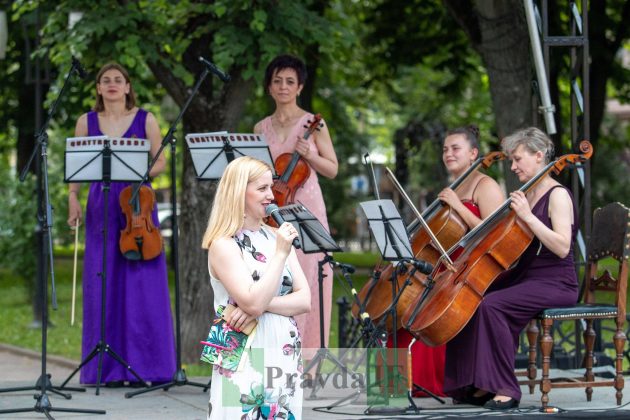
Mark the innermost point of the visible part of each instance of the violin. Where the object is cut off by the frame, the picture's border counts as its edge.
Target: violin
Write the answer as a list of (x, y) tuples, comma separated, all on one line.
[(140, 239), (293, 169), (448, 228), (485, 252)]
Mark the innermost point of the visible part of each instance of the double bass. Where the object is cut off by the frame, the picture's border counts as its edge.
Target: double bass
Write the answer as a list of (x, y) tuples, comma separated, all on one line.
[(446, 225), (491, 248)]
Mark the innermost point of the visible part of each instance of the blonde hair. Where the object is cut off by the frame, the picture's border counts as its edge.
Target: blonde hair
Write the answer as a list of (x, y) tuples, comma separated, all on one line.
[(228, 210), (533, 139)]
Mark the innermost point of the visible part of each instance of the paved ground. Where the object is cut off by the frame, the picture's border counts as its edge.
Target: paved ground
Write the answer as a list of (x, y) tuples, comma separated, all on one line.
[(19, 368)]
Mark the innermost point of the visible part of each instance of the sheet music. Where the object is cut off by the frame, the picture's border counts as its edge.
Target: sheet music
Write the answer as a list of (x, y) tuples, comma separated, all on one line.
[(392, 241), (211, 152), (313, 236), (84, 158)]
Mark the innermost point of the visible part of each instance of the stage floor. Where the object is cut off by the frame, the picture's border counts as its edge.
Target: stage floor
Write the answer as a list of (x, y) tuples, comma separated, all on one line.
[(19, 369)]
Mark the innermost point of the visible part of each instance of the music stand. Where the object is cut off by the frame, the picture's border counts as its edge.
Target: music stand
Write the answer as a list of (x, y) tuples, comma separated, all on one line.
[(314, 238), (211, 152), (390, 233), (105, 159)]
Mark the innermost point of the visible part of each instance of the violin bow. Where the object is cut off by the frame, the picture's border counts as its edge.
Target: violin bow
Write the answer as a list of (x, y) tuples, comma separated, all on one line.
[(446, 258), (74, 270)]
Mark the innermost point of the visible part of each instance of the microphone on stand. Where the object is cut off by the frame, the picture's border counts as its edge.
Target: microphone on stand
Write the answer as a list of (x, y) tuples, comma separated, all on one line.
[(274, 211), (346, 267), (79, 68), (220, 74), (422, 266)]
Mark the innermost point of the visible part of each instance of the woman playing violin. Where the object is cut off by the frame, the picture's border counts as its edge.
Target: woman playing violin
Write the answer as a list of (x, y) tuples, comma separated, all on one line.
[(139, 324), (480, 359), (475, 199), (284, 80)]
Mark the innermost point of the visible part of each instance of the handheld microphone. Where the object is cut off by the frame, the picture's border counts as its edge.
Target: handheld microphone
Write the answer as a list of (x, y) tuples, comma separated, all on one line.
[(221, 75), (274, 211), (79, 68)]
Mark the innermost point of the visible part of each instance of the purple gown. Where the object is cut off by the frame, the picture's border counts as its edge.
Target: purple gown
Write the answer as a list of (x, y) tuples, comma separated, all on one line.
[(138, 321), (482, 354)]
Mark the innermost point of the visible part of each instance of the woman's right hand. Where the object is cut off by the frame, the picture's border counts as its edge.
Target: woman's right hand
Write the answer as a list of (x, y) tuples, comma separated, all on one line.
[(285, 235), (74, 210)]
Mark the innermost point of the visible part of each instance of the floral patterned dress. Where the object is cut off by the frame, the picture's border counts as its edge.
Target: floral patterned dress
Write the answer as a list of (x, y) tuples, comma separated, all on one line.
[(268, 384)]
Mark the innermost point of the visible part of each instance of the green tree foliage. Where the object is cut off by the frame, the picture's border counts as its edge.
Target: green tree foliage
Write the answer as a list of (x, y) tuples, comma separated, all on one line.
[(381, 72), (160, 42)]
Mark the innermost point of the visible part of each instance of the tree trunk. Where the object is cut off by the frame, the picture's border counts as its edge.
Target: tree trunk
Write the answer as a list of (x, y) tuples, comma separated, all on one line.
[(498, 32), (196, 199)]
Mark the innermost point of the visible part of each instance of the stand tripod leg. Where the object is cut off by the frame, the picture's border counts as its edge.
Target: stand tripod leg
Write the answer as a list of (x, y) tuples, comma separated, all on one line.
[(124, 363), (44, 406), (417, 387), (46, 383), (178, 380), (90, 356)]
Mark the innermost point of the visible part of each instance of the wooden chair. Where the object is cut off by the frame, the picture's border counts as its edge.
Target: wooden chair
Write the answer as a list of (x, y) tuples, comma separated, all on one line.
[(610, 238)]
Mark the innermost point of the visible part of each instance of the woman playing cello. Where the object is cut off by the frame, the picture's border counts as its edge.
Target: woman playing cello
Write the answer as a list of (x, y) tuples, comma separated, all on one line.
[(476, 198), (480, 359)]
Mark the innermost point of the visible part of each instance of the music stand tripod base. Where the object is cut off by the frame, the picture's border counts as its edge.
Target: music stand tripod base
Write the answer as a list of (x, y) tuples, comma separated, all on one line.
[(105, 159)]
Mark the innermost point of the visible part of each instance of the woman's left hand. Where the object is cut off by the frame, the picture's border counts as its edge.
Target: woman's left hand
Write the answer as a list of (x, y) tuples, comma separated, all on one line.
[(303, 147), (449, 197), (238, 319), (520, 205)]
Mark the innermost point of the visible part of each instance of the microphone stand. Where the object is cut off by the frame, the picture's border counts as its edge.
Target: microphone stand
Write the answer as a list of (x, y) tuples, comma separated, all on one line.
[(179, 378), (45, 221)]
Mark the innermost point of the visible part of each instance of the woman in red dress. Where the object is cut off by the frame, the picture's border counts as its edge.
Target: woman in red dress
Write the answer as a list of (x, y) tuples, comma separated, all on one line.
[(475, 199)]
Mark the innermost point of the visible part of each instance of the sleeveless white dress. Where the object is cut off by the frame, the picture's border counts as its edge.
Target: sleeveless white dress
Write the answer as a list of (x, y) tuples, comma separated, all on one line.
[(269, 384)]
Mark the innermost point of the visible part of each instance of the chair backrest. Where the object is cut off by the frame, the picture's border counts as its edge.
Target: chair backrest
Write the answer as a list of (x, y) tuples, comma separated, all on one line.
[(610, 237)]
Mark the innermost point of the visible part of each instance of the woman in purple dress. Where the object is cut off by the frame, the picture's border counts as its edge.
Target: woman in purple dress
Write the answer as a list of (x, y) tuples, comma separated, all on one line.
[(480, 359), (138, 321)]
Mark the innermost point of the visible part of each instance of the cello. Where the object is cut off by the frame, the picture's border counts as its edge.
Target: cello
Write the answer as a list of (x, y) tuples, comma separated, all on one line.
[(446, 225), (451, 298)]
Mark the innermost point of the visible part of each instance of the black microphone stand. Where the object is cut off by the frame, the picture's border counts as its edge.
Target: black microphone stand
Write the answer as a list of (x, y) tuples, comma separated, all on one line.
[(179, 378), (45, 221)]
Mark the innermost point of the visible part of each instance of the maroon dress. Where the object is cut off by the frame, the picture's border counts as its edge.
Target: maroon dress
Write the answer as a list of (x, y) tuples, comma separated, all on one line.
[(482, 354)]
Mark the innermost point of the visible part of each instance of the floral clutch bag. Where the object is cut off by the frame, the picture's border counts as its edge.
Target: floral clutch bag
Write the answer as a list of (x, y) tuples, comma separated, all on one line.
[(224, 346)]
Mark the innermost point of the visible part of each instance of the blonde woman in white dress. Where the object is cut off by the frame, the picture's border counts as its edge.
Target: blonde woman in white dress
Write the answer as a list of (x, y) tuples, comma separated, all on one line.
[(255, 268)]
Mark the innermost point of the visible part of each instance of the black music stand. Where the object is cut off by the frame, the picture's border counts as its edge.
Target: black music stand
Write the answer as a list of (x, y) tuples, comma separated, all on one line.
[(390, 234), (44, 215), (314, 238), (105, 159), (211, 152)]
